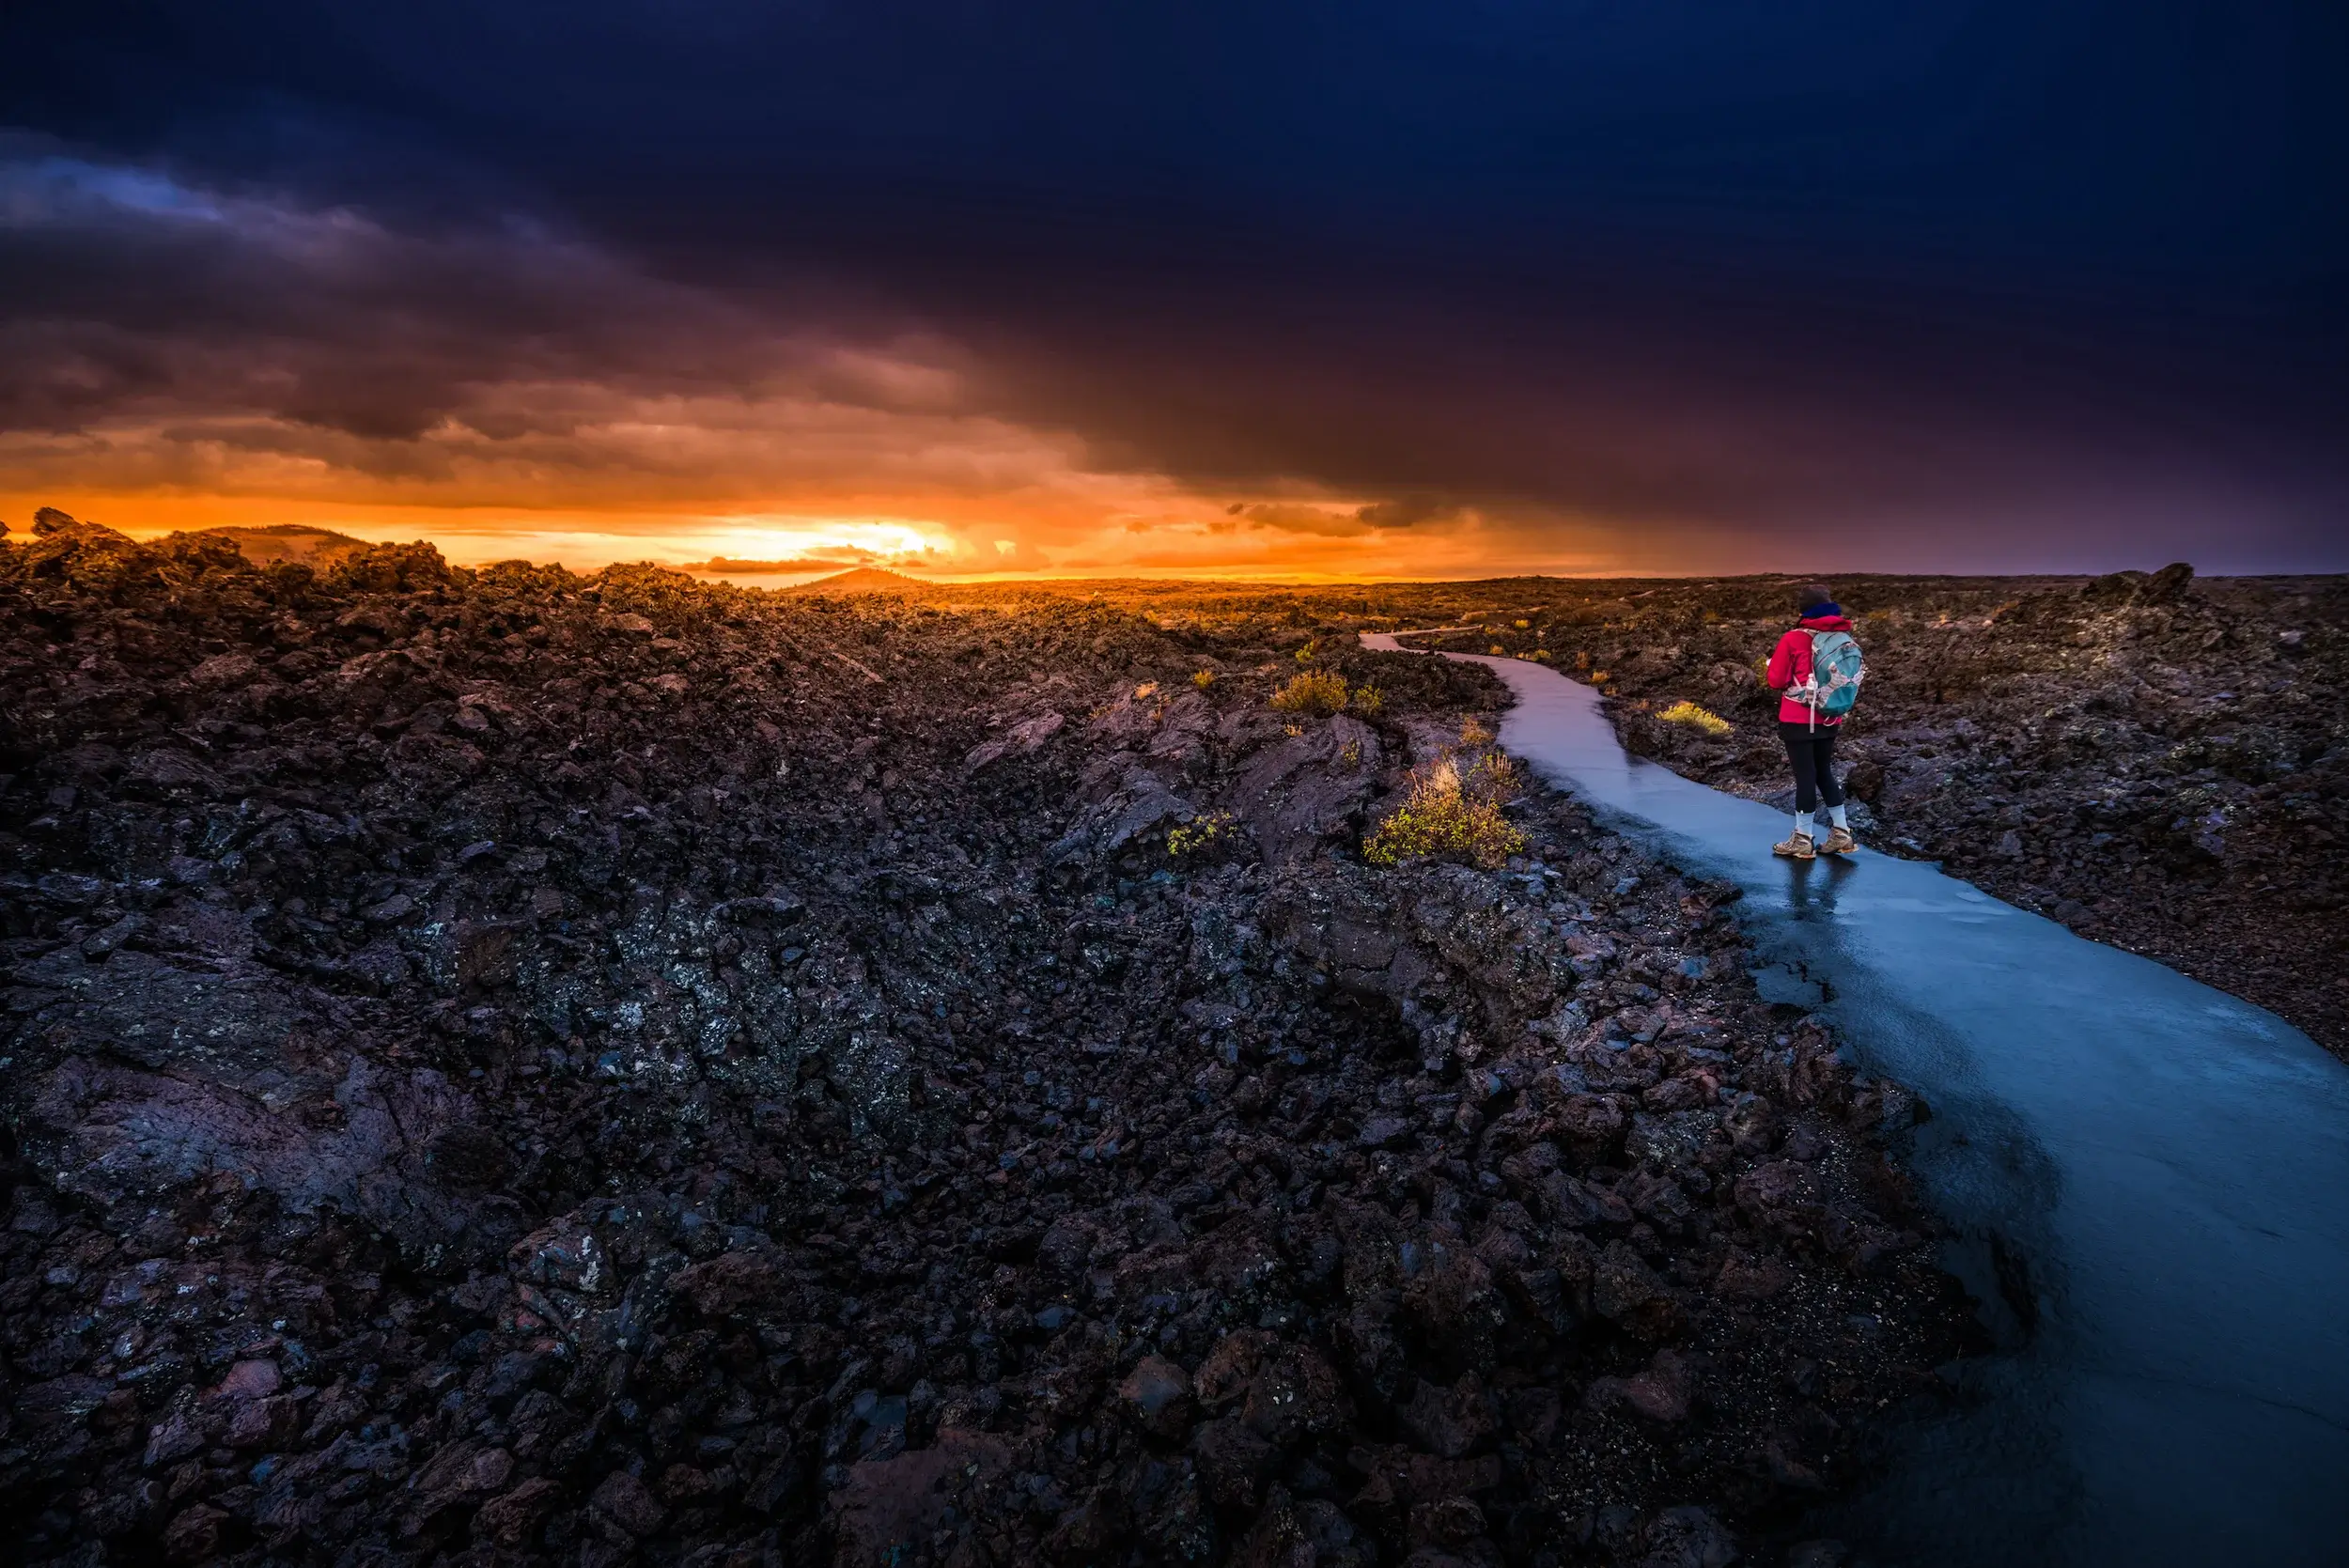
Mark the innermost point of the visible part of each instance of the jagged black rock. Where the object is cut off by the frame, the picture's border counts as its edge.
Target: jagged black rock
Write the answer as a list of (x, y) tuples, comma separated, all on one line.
[(509, 1065)]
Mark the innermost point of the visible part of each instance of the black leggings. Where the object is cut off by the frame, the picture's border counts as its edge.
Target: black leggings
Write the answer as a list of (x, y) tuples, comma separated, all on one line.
[(1812, 752)]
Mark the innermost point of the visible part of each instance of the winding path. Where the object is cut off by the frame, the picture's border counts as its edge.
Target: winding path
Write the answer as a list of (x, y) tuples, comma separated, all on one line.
[(2150, 1179)]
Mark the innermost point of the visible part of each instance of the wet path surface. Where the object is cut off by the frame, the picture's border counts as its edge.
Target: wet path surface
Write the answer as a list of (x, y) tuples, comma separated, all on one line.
[(2151, 1178)]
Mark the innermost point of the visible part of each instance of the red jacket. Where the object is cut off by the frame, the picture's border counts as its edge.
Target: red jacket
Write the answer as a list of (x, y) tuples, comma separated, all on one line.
[(1790, 665)]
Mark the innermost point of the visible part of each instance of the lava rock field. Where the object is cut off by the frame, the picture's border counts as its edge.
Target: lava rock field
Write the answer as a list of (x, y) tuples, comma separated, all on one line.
[(515, 1066)]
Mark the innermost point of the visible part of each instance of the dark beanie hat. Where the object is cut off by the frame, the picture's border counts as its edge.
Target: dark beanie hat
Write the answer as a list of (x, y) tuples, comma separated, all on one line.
[(1812, 595)]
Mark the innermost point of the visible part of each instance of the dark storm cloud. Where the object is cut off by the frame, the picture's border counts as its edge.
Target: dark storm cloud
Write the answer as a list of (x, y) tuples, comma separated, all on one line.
[(1344, 522), (123, 288), (160, 334), (1673, 267)]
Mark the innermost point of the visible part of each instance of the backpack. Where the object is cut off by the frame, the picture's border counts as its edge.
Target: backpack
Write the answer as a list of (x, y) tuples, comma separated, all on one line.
[(1836, 671)]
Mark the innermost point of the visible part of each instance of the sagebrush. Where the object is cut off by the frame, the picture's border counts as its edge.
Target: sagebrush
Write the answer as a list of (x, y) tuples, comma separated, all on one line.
[(1452, 813), (1315, 691)]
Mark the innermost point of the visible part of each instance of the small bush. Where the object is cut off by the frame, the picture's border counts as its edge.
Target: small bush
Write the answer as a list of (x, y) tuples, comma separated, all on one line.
[(1450, 814), (1199, 835), (1473, 733), (1367, 699), (1203, 679), (1498, 652), (1315, 691), (1695, 718), (1493, 777)]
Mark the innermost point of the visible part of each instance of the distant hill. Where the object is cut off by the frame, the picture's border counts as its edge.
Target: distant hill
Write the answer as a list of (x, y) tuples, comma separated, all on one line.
[(265, 545), (864, 580), (730, 566)]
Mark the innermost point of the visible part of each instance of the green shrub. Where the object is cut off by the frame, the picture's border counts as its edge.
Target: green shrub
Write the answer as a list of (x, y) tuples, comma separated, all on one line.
[(1450, 814), (1695, 718), (1199, 833), (1315, 691)]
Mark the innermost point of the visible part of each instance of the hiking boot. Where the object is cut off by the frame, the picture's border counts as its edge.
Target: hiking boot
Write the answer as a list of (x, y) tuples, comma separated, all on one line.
[(1838, 842), (1795, 847)]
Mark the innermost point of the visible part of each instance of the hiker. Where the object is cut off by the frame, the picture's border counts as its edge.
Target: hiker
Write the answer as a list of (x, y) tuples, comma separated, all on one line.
[(1815, 669)]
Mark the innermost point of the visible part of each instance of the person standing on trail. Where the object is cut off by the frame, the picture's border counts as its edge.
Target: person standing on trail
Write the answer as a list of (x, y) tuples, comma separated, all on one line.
[(1815, 669)]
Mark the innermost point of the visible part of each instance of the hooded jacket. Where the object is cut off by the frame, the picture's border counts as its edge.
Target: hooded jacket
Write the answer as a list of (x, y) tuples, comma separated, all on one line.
[(1790, 663)]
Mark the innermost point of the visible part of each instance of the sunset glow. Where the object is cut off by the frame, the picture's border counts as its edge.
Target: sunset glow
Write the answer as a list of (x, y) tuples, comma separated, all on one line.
[(1423, 375)]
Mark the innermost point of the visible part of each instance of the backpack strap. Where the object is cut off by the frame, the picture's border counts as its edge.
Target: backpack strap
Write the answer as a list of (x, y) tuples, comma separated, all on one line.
[(1805, 689)]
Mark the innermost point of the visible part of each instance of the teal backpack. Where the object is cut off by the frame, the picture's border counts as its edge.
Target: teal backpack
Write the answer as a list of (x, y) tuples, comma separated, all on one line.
[(1836, 671)]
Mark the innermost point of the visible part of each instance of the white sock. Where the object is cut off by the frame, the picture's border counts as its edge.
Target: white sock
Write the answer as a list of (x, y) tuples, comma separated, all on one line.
[(1802, 823), (1835, 814)]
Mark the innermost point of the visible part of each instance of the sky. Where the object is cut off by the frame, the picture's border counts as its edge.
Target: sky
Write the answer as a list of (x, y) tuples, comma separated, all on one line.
[(1266, 289)]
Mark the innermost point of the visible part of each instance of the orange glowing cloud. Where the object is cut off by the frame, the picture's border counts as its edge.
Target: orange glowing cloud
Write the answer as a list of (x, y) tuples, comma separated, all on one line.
[(515, 394)]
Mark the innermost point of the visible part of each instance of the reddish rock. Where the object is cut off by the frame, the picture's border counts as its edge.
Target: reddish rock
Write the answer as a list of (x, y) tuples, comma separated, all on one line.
[(194, 1534), (1662, 1393), (1157, 1395), (512, 1520), (256, 1379), (1750, 1279), (733, 1285)]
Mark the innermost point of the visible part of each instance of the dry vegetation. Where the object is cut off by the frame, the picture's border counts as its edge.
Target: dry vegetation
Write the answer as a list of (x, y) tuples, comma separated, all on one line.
[(1452, 810)]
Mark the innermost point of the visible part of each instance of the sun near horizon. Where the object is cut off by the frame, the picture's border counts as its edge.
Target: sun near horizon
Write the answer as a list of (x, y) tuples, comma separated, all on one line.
[(756, 550)]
